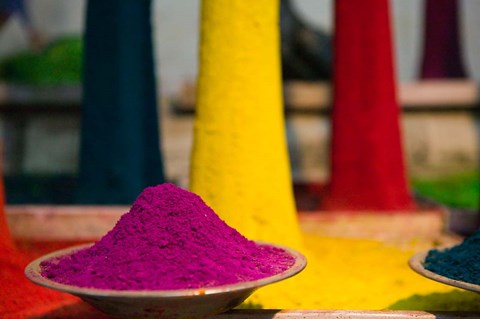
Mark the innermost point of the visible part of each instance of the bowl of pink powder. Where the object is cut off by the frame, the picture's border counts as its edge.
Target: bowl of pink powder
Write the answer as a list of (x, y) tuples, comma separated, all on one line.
[(169, 256)]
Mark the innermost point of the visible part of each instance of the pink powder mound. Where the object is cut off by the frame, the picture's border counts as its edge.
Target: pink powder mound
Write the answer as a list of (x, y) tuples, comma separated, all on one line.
[(170, 239)]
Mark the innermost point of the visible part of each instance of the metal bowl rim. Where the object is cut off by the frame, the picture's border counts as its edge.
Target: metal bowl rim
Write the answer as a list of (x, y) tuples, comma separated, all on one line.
[(33, 273), (416, 263)]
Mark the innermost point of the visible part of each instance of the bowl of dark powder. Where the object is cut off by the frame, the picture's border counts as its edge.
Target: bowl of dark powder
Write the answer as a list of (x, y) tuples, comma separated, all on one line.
[(169, 256), (457, 266)]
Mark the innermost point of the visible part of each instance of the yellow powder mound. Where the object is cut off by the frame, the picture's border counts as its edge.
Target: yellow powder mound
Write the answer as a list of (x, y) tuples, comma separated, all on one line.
[(363, 275)]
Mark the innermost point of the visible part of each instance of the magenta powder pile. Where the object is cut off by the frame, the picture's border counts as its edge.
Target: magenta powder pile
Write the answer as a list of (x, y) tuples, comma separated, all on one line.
[(170, 239)]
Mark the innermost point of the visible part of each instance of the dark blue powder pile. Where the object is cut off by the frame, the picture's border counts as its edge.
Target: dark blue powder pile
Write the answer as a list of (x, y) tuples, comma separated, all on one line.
[(461, 262)]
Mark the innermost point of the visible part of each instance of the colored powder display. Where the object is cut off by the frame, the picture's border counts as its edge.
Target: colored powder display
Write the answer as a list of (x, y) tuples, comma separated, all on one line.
[(460, 262), (170, 239)]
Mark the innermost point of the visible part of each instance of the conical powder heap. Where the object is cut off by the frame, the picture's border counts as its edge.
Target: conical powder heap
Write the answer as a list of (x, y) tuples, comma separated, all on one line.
[(170, 239)]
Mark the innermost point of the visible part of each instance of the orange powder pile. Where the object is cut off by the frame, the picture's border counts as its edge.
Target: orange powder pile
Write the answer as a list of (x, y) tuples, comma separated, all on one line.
[(19, 297)]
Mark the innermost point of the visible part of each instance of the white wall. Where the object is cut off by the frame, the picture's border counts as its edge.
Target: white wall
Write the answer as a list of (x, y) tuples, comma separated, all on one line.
[(471, 35)]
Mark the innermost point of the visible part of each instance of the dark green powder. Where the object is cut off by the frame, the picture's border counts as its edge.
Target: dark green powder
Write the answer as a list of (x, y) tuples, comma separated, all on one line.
[(461, 262)]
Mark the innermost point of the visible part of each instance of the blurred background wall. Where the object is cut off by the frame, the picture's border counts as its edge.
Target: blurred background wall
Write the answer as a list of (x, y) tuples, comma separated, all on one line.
[(176, 24), (448, 141)]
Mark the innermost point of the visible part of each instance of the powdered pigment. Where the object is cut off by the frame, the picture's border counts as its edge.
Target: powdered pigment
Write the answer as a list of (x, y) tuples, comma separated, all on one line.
[(461, 262), (170, 239)]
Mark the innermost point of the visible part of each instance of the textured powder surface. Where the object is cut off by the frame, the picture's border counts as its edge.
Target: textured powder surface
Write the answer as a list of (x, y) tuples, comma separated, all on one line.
[(170, 239), (461, 262)]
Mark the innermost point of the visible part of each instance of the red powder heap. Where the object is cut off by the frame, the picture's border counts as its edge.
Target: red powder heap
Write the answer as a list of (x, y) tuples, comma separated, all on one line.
[(170, 239), (19, 297)]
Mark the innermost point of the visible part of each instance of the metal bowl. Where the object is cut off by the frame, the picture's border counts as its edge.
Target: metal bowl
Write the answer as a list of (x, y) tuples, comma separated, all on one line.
[(417, 261), (185, 303)]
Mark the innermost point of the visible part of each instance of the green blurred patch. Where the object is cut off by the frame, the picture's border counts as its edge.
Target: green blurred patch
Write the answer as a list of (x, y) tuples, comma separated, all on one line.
[(59, 63), (454, 300), (458, 191)]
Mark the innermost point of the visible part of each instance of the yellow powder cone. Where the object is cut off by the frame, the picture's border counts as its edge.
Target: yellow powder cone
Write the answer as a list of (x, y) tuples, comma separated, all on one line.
[(240, 167), (239, 163)]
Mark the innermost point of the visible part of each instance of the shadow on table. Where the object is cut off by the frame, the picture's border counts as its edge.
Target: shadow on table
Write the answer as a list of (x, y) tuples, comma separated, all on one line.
[(454, 300)]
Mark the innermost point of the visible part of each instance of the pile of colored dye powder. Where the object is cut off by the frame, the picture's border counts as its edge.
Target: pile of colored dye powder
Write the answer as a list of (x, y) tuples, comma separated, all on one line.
[(19, 297), (363, 274), (170, 239), (460, 262)]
